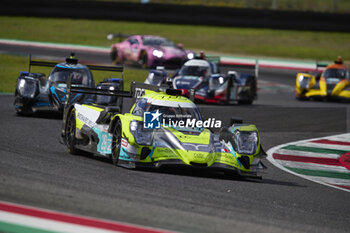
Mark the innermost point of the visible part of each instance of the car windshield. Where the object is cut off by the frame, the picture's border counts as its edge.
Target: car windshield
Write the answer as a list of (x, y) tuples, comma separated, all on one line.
[(79, 76), (195, 71), (336, 73), (157, 41)]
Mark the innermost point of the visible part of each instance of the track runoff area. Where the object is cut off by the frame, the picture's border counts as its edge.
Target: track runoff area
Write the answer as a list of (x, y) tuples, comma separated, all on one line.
[(322, 160)]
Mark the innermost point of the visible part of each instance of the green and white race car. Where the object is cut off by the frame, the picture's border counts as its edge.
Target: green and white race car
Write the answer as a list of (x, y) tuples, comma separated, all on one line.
[(162, 128)]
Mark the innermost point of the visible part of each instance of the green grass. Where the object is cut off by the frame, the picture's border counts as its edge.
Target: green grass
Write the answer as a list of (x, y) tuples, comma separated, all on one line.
[(224, 40), (11, 65)]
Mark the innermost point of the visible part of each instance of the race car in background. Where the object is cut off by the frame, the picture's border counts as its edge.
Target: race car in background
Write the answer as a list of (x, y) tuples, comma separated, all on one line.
[(34, 92), (202, 77), (128, 141), (331, 84), (149, 51), (158, 77)]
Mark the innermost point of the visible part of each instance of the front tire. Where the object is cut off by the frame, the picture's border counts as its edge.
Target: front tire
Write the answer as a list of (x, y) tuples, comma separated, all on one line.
[(70, 133), (116, 142), (143, 61), (114, 56)]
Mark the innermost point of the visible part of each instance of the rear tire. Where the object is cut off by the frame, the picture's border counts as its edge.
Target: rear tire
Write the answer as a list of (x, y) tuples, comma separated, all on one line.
[(116, 142)]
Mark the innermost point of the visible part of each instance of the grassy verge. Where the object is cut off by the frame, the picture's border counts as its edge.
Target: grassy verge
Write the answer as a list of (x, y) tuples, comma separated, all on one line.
[(226, 40), (10, 66)]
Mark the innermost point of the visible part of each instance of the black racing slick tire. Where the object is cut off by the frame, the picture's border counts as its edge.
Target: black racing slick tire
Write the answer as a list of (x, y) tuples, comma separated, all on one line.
[(116, 142), (143, 61), (70, 133), (114, 56)]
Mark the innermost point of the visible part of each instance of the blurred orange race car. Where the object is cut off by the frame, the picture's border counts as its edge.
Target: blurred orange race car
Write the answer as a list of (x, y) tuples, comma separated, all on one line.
[(331, 84)]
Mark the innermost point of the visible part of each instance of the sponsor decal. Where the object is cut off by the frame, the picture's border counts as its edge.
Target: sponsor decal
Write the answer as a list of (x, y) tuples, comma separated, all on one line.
[(153, 120), (85, 120), (124, 143), (139, 92)]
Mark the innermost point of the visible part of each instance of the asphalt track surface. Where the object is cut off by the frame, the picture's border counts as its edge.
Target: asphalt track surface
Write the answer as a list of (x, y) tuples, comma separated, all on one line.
[(36, 170)]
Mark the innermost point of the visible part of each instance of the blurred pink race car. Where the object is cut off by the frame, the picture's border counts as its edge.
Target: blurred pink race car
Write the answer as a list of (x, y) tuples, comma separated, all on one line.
[(150, 51)]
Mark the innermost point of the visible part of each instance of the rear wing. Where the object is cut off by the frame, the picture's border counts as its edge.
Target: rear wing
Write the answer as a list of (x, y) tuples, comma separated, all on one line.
[(74, 61), (118, 35)]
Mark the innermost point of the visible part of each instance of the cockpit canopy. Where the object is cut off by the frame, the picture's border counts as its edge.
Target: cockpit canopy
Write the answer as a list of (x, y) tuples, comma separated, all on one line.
[(198, 67), (336, 73), (80, 76)]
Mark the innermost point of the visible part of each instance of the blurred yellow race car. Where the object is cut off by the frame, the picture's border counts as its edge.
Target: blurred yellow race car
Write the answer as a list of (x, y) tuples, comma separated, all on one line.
[(331, 84)]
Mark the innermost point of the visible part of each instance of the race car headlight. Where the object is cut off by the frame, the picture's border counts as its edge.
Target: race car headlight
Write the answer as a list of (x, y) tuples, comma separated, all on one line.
[(158, 53), (301, 78), (142, 136), (21, 83), (27, 87), (303, 81), (245, 142), (190, 56)]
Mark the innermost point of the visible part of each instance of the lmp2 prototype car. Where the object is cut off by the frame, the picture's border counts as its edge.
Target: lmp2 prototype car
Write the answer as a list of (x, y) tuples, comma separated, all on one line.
[(149, 51), (331, 84), (35, 93), (152, 135), (208, 85)]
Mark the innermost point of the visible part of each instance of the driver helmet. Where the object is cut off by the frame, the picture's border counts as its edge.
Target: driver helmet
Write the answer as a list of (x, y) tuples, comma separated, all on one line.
[(339, 60)]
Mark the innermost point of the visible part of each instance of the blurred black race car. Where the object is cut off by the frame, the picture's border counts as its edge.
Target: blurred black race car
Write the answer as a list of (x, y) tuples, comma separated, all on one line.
[(208, 85), (34, 92)]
